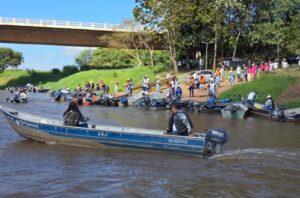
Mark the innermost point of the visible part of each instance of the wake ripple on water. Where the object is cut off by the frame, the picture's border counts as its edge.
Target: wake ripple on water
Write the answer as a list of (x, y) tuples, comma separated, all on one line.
[(257, 153)]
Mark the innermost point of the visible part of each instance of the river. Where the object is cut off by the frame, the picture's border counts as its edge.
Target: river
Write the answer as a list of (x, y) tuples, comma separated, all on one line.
[(261, 159)]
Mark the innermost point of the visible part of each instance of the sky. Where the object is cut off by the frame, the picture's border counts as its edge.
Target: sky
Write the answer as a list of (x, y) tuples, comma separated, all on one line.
[(45, 57)]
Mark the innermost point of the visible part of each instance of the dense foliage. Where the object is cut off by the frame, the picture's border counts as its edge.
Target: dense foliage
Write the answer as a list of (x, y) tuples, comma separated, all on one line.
[(9, 58), (244, 28), (118, 58)]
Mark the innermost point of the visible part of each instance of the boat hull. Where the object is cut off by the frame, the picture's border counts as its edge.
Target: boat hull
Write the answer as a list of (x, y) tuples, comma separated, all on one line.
[(235, 115), (87, 137)]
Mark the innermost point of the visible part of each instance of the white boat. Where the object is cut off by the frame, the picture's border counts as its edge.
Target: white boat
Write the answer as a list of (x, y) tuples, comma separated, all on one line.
[(235, 110)]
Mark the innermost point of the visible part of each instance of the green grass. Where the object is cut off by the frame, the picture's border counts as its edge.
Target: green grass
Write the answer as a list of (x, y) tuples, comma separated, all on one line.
[(108, 76), (16, 77), (292, 103), (10, 75), (268, 84)]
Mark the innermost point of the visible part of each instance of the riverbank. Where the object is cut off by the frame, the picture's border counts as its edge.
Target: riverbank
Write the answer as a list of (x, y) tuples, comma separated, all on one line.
[(108, 76), (282, 85), (58, 79), (17, 77)]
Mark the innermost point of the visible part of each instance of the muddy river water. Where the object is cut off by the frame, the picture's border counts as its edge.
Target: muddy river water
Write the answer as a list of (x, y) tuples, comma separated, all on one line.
[(261, 159)]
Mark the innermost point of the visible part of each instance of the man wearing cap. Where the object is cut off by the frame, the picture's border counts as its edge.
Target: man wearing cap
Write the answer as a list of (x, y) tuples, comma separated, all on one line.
[(269, 105), (180, 122)]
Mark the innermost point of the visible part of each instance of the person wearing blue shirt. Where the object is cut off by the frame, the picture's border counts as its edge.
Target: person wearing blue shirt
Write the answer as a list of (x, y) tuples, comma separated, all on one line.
[(178, 93), (211, 100)]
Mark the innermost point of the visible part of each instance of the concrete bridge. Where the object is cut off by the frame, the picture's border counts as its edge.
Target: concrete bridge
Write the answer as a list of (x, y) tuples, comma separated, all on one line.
[(53, 32)]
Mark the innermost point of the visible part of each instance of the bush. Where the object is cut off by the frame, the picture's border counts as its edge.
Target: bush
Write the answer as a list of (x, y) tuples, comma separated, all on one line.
[(70, 69), (55, 71), (31, 72)]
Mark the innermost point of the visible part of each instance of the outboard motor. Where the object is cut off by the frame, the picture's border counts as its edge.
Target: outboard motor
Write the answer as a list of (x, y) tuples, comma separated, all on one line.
[(281, 114), (214, 140), (105, 101), (147, 100), (171, 102)]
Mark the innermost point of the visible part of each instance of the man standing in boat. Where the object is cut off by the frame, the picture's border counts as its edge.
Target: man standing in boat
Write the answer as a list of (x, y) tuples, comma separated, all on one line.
[(180, 122)]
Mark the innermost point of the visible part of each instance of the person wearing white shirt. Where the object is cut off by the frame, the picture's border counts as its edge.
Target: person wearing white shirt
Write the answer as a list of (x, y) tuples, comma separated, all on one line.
[(251, 97)]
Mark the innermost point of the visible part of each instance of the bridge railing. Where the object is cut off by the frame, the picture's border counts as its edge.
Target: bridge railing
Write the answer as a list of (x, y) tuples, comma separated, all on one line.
[(64, 24)]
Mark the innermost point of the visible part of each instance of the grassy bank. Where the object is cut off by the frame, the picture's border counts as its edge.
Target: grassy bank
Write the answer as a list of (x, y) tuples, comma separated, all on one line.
[(109, 76), (268, 84), (10, 75), (16, 77)]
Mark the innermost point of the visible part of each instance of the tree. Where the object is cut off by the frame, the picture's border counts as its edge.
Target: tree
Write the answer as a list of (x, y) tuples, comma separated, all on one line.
[(238, 21), (163, 16), (213, 13), (9, 58), (274, 22), (126, 41), (293, 35), (110, 57), (84, 58)]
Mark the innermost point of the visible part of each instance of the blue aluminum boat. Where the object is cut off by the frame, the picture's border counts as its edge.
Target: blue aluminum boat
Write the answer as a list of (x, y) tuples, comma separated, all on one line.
[(50, 130)]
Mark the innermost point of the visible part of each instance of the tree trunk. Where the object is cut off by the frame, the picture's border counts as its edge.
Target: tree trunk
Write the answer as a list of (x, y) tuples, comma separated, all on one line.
[(188, 66), (235, 44), (174, 58), (173, 54), (215, 51), (151, 58)]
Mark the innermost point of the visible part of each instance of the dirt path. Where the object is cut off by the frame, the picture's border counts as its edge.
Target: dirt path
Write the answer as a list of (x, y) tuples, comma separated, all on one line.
[(198, 96), (202, 96)]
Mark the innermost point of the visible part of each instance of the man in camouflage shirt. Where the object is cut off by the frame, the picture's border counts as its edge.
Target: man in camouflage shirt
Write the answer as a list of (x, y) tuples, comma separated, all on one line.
[(180, 122)]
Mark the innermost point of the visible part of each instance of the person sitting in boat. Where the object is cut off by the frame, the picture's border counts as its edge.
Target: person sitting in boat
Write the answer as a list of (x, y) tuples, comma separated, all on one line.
[(23, 95), (16, 95), (73, 116), (88, 96), (180, 122), (211, 100), (269, 105), (251, 97)]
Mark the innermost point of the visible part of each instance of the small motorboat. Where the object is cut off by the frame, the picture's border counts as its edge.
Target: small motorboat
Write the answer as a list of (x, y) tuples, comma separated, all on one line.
[(279, 114), (204, 107), (50, 130), (235, 110)]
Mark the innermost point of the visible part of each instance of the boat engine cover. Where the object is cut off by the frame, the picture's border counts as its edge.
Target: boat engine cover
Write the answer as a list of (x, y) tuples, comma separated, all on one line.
[(217, 135)]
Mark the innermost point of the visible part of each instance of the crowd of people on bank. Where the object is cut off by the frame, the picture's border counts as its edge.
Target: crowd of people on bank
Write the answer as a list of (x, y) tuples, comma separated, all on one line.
[(180, 123)]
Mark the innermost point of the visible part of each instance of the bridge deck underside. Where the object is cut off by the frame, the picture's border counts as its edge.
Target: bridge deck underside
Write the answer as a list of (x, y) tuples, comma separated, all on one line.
[(54, 36)]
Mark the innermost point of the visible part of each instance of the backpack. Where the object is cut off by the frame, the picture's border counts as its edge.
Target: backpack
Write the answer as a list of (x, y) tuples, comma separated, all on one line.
[(72, 118)]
